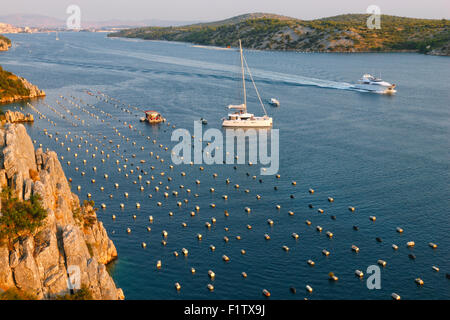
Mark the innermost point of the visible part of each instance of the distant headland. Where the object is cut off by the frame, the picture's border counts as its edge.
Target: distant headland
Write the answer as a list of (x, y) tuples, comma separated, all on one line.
[(5, 43), (15, 88), (342, 33)]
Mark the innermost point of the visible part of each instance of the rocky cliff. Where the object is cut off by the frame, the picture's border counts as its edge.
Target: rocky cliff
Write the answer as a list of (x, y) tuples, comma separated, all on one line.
[(5, 43), (71, 239), (27, 91), (16, 116)]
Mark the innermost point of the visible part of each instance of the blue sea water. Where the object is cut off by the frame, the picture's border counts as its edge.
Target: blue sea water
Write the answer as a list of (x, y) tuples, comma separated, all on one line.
[(388, 156)]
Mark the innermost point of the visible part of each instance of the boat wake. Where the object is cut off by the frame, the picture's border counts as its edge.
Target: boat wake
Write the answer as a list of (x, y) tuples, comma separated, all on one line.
[(228, 71), (259, 74)]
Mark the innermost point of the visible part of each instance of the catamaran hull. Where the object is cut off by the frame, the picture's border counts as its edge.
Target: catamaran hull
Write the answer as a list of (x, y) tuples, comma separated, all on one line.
[(247, 123)]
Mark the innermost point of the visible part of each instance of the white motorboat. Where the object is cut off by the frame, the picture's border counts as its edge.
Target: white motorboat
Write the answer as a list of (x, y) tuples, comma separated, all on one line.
[(274, 102), (240, 117), (373, 84)]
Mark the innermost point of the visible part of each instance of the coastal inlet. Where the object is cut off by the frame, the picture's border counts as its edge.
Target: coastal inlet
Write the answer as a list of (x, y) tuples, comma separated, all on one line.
[(350, 177)]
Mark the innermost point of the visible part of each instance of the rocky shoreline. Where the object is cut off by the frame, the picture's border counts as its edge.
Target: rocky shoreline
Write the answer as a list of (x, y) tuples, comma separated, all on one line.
[(70, 238), (35, 92), (16, 117), (4, 45)]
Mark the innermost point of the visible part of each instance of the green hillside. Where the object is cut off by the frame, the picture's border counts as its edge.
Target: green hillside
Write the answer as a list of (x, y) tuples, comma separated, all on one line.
[(343, 33), (11, 85), (5, 39), (5, 43)]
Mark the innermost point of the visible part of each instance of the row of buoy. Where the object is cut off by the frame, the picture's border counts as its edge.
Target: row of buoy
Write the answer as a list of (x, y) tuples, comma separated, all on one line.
[(349, 209)]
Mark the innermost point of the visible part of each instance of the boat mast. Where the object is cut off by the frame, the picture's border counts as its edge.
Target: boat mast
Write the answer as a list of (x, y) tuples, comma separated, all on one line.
[(243, 75)]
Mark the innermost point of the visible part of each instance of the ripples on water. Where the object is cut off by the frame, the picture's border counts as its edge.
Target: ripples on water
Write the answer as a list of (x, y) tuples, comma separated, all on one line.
[(387, 156)]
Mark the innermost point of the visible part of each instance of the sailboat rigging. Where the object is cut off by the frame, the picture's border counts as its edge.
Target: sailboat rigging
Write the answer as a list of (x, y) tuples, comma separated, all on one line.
[(241, 118)]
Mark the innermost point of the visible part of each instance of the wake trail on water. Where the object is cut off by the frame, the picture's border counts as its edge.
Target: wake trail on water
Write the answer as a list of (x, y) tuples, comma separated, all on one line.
[(261, 75)]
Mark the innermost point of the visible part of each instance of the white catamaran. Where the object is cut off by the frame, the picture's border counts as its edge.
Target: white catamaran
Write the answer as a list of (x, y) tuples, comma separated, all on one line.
[(240, 117)]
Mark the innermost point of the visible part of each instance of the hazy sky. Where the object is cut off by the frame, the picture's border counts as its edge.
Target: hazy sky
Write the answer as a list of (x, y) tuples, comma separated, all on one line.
[(188, 10)]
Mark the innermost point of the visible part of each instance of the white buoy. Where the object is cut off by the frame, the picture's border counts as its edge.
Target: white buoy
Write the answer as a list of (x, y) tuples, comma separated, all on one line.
[(382, 263), (432, 245), (410, 244), (395, 296), (266, 293)]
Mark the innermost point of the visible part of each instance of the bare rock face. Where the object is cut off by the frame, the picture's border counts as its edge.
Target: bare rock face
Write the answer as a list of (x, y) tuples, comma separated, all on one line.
[(35, 92), (4, 46), (97, 239), (41, 263), (17, 116), (6, 279)]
